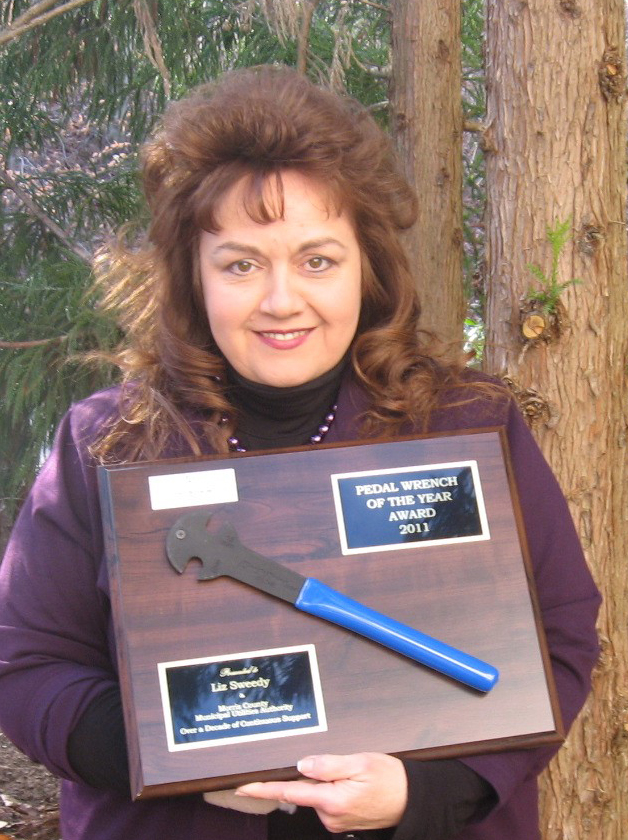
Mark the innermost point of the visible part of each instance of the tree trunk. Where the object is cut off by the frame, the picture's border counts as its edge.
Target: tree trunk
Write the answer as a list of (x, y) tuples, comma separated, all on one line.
[(426, 110), (556, 133)]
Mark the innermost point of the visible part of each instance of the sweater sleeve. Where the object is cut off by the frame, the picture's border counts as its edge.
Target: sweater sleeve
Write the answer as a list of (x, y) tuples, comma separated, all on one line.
[(97, 748), (443, 797), (568, 600), (55, 642)]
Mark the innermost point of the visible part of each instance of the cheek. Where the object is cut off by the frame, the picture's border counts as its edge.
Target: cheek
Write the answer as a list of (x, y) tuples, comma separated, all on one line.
[(352, 304), (219, 312)]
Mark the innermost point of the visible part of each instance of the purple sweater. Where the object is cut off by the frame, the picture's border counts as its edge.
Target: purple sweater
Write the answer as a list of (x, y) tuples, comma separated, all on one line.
[(57, 649)]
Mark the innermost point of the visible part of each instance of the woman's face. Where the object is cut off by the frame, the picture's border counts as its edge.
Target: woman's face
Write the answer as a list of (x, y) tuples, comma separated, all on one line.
[(283, 298)]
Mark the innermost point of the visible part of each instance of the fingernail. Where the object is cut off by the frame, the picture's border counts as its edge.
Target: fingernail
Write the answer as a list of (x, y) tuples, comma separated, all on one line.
[(305, 765)]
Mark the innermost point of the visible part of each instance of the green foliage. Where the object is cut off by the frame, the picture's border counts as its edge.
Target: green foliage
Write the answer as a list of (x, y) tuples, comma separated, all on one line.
[(49, 306), (548, 295), (79, 93)]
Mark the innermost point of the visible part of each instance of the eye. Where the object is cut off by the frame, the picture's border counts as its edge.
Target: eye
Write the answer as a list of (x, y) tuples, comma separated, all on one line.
[(241, 267), (318, 263)]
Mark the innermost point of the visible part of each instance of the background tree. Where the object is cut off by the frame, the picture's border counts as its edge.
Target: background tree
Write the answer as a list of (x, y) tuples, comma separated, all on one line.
[(426, 122), (556, 192)]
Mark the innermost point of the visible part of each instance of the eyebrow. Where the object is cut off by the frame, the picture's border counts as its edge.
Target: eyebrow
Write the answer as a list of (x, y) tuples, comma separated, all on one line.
[(244, 247)]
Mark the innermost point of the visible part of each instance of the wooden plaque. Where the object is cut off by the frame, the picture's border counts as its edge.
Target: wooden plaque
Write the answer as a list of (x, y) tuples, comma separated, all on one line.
[(224, 684)]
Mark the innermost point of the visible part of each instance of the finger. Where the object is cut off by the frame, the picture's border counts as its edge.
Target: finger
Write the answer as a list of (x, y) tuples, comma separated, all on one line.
[(246, 804), (304, 793)]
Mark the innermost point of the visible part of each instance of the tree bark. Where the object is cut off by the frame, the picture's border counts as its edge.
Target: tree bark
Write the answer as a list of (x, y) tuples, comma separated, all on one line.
[(426, 110), (556, 114)]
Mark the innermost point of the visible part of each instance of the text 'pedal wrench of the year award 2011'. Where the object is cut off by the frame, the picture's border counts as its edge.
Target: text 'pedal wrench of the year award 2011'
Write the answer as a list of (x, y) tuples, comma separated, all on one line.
[(222, 553)]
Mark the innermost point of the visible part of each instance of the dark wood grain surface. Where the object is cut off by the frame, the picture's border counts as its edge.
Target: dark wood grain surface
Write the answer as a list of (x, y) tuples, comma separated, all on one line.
[(475, 596)]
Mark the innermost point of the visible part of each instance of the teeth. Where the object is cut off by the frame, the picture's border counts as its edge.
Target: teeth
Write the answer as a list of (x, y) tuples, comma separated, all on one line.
[(287, 336)]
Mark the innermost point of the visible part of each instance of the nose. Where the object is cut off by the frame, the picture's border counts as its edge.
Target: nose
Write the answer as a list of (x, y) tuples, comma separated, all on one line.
[(281, 297)]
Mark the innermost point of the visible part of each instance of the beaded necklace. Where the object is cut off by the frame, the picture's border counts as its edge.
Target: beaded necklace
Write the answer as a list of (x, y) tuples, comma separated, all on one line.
[(236, 446)]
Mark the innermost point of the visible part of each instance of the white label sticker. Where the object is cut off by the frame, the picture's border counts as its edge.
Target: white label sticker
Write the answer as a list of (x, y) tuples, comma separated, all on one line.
[(192, 489)]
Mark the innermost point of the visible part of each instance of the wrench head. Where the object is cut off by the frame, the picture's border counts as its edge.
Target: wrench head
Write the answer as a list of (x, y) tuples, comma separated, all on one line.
[(192, 537)]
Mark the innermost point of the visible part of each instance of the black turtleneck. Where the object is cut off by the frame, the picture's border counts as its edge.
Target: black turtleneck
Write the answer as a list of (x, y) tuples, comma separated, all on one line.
[(272, 418)]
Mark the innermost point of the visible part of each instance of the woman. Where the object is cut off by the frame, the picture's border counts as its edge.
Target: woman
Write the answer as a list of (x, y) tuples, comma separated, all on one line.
[(270, 305)]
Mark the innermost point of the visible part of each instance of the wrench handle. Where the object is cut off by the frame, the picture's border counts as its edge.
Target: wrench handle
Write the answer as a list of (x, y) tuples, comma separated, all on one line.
[(318, 599)]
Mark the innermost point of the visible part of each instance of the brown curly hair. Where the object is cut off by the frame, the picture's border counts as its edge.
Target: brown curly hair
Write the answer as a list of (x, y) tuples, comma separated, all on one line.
[(254, 124)]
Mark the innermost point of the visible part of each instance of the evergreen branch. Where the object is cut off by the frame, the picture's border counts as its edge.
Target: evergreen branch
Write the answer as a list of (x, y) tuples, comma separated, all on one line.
[(304, 34), (26, 345), (49, 223), (551, 289), (16, 29)]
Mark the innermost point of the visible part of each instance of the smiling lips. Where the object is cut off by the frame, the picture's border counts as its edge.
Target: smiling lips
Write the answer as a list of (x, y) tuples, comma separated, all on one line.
[(284, 340)]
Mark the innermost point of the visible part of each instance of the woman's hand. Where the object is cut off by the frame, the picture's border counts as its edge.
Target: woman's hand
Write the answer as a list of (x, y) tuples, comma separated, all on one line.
[(353, 792)]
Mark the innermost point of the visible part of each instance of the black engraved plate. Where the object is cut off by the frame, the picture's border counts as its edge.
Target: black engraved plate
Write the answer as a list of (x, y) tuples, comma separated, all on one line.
[(391, 509), (241, 697)]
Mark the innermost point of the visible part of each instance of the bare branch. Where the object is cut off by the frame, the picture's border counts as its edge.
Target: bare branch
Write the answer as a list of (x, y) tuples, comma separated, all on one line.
[(26, 345), (32, 12), (474, 126), (304, 34), (375, 5), (377, 72), (16, 30), (341, 56), (152, 44), (281, 15), (49, 223)]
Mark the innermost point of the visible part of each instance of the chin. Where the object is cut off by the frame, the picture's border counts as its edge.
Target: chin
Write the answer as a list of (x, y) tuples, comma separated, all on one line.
[(286, 379)]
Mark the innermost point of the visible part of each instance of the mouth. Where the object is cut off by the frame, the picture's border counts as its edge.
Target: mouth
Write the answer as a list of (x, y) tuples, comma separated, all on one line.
[(283, 339), (283, 336)]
